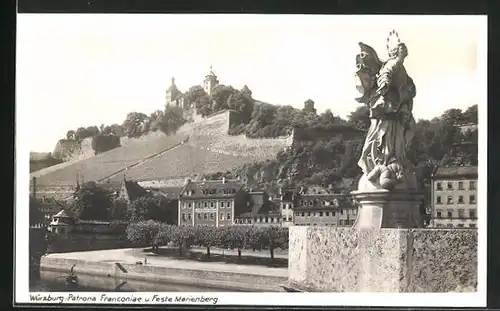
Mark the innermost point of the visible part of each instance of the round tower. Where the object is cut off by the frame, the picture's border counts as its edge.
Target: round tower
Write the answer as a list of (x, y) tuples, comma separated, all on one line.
[(210, 82)]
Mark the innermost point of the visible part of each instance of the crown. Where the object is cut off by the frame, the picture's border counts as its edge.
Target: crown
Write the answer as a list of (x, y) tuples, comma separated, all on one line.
[(393, 41)]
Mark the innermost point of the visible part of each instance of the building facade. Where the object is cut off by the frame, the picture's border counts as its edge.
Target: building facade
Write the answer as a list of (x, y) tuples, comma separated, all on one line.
[(454, 197), (259, 210), (287, 204), (321, 207), (210, 203)]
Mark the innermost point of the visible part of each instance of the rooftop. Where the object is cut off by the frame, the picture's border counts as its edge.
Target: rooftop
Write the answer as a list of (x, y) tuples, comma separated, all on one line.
[(212, 188), (456, 171)]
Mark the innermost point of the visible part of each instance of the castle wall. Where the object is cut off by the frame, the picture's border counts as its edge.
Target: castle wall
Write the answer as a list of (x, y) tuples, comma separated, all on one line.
[(68, 150)]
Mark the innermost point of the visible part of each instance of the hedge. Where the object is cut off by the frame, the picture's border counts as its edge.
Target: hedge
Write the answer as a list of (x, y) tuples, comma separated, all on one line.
[(156, 234)]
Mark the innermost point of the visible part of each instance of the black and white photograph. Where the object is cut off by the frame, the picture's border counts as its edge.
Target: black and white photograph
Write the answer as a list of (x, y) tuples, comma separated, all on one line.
[(218, 159)]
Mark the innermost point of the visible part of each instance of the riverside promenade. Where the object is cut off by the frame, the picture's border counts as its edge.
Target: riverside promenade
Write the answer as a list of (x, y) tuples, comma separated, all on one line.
[(121, 264)]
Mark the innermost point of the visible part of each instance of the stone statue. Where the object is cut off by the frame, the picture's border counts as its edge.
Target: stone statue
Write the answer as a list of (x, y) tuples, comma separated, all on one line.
[(388, 91)]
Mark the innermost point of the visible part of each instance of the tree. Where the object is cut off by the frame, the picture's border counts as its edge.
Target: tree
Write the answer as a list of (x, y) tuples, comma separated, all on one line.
[(242, 103), (220, 95), (134, 124), (470, 115), (453, 116), (208, 237), (144, 232), (235, 238), (194, 94), (158, 208), (204, 106), (360, 117), (173, 119), (70, 135), (102, 143), (182, 236), (274, 237), (117, 129), (93, 201), (82, 133)]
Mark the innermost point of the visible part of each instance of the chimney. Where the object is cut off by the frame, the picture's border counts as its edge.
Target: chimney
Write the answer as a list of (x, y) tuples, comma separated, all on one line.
[(34, 188)]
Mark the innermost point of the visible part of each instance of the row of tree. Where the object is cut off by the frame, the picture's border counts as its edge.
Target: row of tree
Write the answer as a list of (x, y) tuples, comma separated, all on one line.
[(136, 124), (156, 234)]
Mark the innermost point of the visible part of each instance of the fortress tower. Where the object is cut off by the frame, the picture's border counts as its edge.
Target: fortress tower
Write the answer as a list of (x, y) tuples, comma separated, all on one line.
[(174, 96), (210, 82), (309, 106)]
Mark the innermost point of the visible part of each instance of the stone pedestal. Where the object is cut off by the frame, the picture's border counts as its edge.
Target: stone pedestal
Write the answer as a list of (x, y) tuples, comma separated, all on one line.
[(328, 259), (381, 208)]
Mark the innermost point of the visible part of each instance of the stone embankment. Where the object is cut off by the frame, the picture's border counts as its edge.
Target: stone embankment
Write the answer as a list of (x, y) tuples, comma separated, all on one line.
[(116, 266)]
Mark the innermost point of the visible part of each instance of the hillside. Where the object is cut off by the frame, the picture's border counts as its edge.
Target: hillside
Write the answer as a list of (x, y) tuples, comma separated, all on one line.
[(197, 148)]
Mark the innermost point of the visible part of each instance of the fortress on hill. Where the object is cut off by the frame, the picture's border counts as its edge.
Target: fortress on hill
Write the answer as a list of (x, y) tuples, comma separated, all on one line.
[(197, 148)]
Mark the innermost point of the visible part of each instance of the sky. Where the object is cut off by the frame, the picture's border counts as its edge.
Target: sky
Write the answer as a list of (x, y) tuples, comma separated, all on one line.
[(81, 70)]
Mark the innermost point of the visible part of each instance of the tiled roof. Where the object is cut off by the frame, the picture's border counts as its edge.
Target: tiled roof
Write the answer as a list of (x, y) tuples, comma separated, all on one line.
[(134, 190), (212, 188), (170, 192), (456, 171)]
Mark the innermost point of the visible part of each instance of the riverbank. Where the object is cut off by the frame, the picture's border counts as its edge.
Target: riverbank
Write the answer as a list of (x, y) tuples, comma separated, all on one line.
[(121, 264)]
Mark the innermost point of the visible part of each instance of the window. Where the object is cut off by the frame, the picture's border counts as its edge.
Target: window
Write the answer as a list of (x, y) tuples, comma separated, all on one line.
[(228, 216), (228, 204), (460, 225), (327, 213), (449, 225), (438, 200), (212, 204), (341, 222), (212, 216), (472, 213), (297, 214), (310, 203), (275, 219), (222, 204), (439, 225), (472, 199), (284, 218), (472, 185), (449, 200), (439, 186), (450, 186), (438, 214), (289, 218), (460, 199), (472, 225), (205, 204), (303, 214), (460, 213), (341, 212), (221, 216), (333, 214), (321, 214), (450, 213), (460, 185), (183, 216), (189, 216), (354, 211), (205, 216), (199, 216), (190, 204)]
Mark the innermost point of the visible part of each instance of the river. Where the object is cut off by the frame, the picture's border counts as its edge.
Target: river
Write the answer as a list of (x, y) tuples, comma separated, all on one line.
[(51, 281)]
